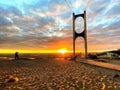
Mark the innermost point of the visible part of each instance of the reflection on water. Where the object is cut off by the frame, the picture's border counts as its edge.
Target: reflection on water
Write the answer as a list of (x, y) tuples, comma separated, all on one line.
[(6, 58), (55, 56)]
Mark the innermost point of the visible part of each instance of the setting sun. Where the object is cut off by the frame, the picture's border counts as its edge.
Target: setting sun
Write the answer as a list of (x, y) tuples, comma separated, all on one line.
[(62, 51)]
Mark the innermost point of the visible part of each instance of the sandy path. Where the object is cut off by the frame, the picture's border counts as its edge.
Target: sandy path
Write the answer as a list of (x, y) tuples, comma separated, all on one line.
[(56, 75)]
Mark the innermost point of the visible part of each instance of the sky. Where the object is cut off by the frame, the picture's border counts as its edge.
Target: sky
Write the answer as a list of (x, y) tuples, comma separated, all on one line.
[(46, 25)]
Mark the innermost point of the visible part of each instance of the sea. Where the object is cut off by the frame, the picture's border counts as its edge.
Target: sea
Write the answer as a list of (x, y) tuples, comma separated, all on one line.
[(33, 56)]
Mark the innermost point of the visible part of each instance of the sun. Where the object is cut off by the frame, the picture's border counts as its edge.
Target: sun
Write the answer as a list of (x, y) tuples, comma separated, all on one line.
[(63, 51)]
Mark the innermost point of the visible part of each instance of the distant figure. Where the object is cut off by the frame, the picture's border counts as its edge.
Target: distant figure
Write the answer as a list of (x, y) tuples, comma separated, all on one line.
[(16, 56), (80, 55)]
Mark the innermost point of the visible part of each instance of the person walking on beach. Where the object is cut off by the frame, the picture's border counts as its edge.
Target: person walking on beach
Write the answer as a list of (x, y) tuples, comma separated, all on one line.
[(16, 56)]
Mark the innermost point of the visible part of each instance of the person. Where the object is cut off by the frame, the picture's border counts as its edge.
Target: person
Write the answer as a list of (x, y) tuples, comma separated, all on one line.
[(16, 56), (80, 54)]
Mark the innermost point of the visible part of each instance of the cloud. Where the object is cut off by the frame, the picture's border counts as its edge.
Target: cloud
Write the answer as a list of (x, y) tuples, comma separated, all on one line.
[(5, 21), (47, 24)]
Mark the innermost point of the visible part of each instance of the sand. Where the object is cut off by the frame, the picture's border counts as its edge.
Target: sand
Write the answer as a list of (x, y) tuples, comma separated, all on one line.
[(51, 74)]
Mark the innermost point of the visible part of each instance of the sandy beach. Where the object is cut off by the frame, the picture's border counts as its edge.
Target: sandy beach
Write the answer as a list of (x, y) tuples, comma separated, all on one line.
[(52, 74)]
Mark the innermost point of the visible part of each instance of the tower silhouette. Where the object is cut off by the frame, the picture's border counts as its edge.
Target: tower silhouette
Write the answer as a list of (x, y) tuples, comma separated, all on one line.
[(83, 34)]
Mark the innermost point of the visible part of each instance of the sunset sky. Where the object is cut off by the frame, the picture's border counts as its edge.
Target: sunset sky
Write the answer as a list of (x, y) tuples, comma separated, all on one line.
[(46, 25)]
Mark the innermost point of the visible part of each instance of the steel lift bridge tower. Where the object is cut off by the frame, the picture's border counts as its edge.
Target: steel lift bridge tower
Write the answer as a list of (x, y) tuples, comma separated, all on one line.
[(82, 34)]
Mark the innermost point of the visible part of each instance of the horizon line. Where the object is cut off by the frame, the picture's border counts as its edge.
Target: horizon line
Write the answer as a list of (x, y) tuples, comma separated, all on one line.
[(4, 51)]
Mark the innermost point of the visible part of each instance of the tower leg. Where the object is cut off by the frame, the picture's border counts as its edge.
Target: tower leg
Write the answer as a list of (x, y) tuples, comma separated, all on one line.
[(85, 34), (73, 35)]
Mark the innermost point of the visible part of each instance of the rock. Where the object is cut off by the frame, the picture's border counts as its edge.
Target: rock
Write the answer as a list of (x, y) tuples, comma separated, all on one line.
[(13, 79), (16, 79), (116, 76), (10, 76)]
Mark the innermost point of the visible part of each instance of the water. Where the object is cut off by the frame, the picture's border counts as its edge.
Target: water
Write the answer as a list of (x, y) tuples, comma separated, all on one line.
[(37, 55)]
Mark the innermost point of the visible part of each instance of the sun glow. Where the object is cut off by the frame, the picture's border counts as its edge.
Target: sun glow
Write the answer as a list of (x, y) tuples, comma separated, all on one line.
[(62, 51), (27, 51)]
